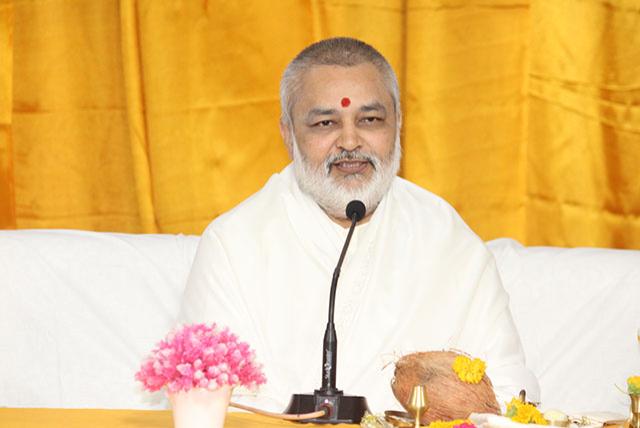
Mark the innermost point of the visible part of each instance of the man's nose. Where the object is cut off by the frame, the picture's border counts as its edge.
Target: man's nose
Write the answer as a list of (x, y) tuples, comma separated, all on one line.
[(349, 139)]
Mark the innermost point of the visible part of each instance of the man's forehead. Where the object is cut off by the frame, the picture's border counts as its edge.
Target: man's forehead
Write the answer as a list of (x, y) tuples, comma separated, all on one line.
[(366, 71), (327, 86)]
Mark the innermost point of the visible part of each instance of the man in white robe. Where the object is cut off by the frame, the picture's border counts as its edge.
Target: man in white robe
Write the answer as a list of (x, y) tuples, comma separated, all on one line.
[(415, 277)]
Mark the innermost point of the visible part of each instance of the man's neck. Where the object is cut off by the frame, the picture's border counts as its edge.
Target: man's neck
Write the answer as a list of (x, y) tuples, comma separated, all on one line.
[(346, 223)]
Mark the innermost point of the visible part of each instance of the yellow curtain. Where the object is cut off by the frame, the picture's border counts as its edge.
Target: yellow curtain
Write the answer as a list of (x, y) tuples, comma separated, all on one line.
[(158, 115)]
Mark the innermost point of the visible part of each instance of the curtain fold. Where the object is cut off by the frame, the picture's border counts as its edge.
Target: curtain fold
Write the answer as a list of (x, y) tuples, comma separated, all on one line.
[(158, 115), (583, 151), (7, 208), (466, 108), (72, 161), (136, 114)]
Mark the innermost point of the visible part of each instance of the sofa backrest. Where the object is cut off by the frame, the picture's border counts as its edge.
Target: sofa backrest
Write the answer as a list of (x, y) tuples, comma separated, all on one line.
[(578, 314), (79, 311)]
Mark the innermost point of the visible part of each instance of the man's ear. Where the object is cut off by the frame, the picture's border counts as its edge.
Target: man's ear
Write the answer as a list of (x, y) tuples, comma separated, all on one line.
[(285, 132)]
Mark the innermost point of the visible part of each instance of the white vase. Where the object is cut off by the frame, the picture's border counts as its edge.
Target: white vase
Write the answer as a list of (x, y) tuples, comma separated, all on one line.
[(200, 408)]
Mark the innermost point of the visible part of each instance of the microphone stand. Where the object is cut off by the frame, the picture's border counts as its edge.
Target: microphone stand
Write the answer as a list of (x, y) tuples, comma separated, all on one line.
[(339, 408)]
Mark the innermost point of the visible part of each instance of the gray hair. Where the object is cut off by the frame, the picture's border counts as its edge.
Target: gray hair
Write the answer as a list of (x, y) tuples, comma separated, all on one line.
[(341, 51)]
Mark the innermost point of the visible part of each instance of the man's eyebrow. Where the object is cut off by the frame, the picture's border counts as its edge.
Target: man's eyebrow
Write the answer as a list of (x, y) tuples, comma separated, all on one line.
[(376, 106), (320, 112)]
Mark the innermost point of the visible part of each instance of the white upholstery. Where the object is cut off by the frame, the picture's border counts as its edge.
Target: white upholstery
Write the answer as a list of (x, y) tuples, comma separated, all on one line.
[(79, 311), (577, 311)]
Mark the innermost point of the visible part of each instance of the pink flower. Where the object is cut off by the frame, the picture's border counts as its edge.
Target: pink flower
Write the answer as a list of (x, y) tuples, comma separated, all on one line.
[(185, 370), (200, 356)]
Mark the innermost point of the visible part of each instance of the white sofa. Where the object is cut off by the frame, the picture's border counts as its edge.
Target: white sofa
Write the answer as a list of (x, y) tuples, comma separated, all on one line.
[(79, 310)]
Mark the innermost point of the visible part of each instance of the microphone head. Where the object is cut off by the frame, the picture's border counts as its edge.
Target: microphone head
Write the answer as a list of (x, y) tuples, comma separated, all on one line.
[(356, 208)]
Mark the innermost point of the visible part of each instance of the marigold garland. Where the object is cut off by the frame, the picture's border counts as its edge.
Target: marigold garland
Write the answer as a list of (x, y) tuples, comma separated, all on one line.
[(456, 423), (523, 413), (633, 385), (468, 370)]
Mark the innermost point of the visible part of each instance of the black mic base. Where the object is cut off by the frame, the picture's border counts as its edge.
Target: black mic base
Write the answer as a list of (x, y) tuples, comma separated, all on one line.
[(340, 408)]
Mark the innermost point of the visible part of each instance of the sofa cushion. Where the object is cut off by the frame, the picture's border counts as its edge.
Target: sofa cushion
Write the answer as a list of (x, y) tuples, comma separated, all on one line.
[(78, 310), (577, 311)]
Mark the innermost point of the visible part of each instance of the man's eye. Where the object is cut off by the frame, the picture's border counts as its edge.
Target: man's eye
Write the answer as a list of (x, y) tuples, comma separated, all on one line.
[(371, 119), (324, 123)]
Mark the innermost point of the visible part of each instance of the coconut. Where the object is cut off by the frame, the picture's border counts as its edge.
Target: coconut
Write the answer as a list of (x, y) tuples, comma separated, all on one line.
[(447, 396)]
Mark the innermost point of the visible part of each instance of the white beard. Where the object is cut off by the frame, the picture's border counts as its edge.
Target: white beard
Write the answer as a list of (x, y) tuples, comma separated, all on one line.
[(331, 195)]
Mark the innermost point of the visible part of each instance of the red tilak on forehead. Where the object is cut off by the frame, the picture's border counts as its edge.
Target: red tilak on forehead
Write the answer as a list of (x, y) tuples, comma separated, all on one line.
[(345, 102)]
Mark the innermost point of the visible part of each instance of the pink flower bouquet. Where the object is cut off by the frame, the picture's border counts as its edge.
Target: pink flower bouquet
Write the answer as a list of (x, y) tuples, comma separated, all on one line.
[(199, 365)]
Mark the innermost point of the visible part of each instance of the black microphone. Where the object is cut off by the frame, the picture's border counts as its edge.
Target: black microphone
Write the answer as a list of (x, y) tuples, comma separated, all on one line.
[(356, 208), (339, 408), (355, 211)]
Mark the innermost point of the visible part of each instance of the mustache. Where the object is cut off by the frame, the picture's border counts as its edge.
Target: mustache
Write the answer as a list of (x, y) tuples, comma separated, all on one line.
[(350, 156)]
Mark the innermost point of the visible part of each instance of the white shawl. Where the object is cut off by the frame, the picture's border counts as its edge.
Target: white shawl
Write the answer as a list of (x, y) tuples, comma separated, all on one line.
[(415, 278)]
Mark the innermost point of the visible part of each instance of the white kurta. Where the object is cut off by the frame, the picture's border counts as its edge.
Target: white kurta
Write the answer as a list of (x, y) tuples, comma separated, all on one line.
[(415, 278)]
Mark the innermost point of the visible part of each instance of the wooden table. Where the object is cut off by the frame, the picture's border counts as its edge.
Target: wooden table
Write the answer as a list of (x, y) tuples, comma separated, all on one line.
[(98, 418)]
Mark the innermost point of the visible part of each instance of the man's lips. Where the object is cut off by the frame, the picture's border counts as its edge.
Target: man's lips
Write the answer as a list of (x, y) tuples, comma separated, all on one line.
[(351, 166)]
